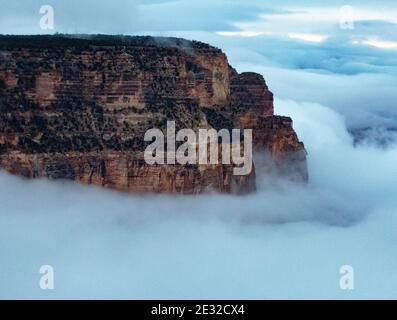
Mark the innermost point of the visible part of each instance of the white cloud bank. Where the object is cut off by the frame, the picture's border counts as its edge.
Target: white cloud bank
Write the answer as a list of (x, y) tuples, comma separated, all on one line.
[(380, 43), (285, 241)]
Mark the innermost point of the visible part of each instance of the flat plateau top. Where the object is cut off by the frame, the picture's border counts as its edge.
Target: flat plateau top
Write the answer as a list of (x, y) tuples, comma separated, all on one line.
[(85, 41)]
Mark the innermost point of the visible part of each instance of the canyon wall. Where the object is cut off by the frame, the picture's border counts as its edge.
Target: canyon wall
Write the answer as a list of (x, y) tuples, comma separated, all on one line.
[(78, 108)]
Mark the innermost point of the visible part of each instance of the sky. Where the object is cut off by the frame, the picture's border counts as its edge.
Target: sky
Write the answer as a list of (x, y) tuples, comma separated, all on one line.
[(285, 241)]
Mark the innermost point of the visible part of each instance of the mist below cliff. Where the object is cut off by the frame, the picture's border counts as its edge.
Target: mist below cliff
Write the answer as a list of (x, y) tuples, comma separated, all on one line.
[(285, 241)]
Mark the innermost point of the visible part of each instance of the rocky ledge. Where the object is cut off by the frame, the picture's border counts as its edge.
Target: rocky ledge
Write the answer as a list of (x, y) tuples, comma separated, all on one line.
[(78, 107)]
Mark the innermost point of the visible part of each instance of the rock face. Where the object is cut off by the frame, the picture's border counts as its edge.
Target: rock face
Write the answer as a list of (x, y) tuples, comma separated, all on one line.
[(78, 108)]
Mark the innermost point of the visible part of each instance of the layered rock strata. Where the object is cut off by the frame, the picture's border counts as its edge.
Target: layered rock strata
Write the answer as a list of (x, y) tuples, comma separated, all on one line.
[(78, 108)]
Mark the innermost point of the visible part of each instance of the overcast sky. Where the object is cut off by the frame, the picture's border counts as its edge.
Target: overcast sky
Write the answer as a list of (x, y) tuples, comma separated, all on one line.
[(352, 49)]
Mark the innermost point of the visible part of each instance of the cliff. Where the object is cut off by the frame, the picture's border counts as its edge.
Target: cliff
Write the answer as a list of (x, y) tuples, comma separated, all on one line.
[(78, 108)]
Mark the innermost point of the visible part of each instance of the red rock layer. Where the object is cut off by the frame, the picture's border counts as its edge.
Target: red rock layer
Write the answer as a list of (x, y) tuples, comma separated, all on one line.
[(78, 109)]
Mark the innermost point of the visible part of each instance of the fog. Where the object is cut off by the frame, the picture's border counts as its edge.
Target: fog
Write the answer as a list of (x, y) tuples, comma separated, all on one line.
[(285, 241)]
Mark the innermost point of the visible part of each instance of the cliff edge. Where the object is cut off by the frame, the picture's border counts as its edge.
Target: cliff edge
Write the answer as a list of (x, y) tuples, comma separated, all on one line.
[(78, 108)]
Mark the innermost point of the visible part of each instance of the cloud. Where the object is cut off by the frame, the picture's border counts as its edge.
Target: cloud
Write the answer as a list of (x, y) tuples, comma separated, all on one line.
[(104, 244), (380, 43), (125, 17), (298, 51), (344, 93), (286, 241), (356, 81), (239, 33), (308, 37)]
